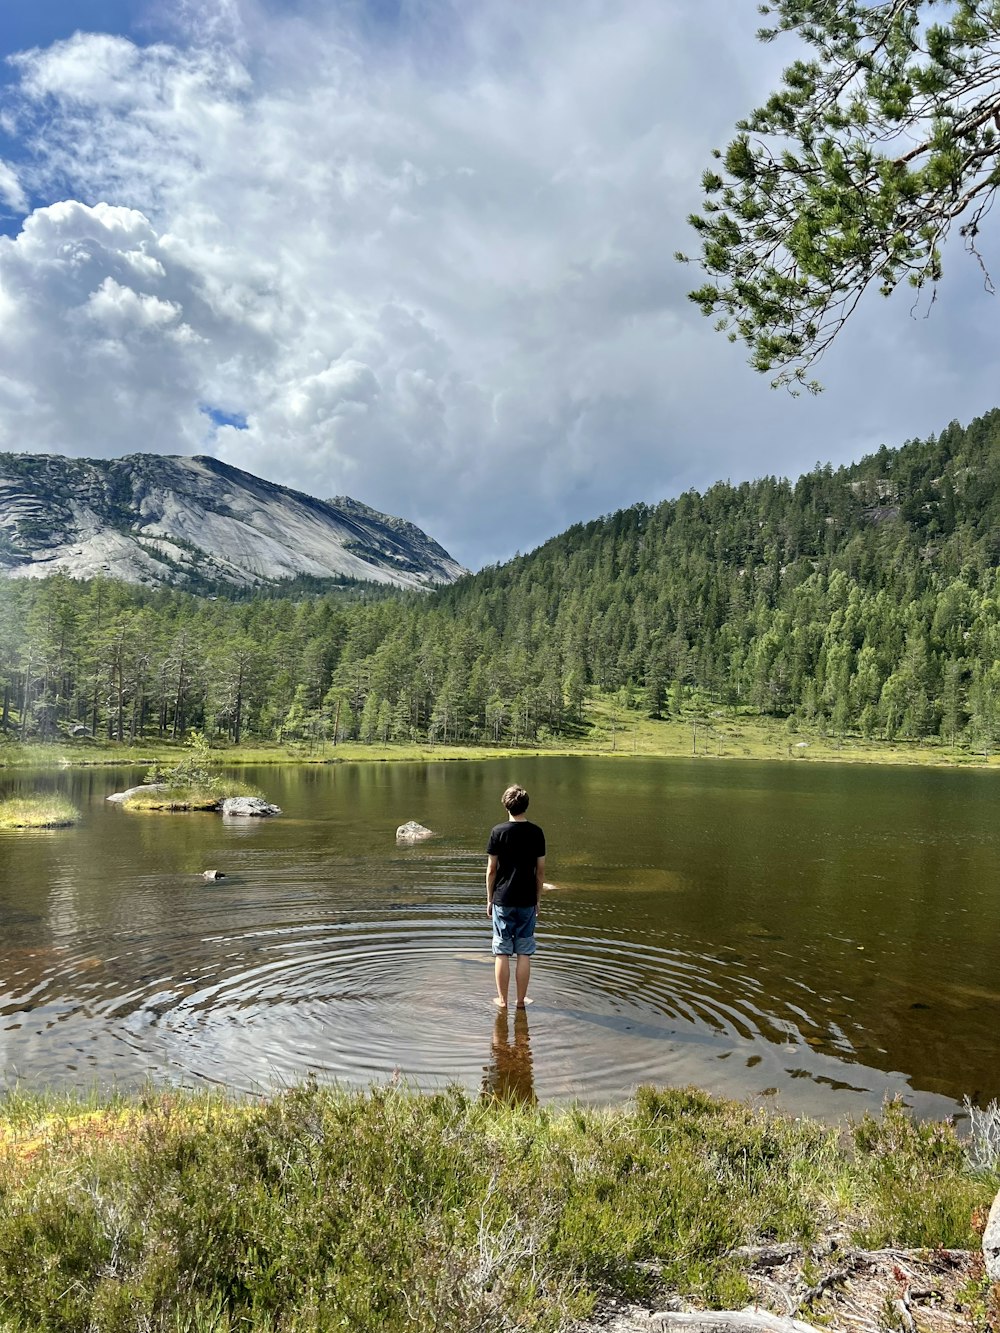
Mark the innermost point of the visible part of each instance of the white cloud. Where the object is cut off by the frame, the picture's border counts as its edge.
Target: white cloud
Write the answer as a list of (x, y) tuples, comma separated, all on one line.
[(429, 265), (125, 312), (11, 192), (96, 354)]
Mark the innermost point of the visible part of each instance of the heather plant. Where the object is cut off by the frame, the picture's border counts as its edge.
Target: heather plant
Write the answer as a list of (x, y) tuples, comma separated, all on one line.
[(386, 1210)]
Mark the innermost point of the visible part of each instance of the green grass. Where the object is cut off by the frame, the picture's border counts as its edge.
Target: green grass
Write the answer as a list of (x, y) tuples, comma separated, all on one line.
[(706, 730), (175, 798), (191, 796), (703, 730), (42, 811), (321, 1209)]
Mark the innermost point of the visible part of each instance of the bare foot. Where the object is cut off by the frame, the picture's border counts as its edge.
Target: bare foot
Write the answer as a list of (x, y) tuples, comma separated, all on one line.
[(527, 1001), (500, 1004)]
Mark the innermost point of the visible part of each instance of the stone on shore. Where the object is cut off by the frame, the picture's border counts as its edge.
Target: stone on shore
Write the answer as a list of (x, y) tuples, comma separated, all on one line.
[(411, 832), (991, 1242), (120, 796), (249, 806)]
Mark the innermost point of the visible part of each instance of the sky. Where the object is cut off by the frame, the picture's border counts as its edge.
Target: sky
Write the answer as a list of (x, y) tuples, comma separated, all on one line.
[(419, 253)]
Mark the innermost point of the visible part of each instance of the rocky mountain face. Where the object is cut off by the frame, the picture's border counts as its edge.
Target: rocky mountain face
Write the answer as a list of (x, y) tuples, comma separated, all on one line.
[(194, 522)]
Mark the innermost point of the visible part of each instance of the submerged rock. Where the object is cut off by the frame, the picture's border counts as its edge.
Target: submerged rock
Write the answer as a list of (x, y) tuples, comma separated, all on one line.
[(411, 831), (120, 796), (250, 806)]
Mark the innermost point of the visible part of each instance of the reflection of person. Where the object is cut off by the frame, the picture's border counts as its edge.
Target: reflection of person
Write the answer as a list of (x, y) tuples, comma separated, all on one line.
[(514, 872), (509, 1076)]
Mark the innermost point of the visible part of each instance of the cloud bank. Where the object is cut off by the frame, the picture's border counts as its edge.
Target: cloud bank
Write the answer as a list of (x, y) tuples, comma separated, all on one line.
[(427, 263)]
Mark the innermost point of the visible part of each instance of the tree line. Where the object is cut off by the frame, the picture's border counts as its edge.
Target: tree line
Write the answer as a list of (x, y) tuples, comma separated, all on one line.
[(862, 599)]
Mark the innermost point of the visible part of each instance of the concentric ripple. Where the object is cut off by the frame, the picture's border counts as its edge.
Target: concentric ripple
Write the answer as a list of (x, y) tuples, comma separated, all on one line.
[(406, 993), (326, 949)]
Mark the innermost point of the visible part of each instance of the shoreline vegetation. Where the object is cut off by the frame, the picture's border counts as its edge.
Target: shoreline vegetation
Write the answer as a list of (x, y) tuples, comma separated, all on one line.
[(702, 730), (389, 1210)]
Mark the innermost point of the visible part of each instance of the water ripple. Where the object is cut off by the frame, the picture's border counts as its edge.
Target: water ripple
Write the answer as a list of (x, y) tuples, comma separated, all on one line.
[(366, 995)]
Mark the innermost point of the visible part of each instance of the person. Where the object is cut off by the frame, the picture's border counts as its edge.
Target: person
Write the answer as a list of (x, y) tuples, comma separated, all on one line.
[(515, 869)]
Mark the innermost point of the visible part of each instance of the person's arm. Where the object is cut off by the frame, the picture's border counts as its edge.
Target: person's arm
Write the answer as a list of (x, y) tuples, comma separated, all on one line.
[(539, 880), (491, 882)]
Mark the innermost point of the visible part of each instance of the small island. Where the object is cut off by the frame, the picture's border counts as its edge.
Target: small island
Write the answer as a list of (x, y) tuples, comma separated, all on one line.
[(232, 799), (192, 784), (41, 810)]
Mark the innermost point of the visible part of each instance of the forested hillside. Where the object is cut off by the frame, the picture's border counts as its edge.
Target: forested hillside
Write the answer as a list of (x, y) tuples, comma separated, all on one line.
[(865, 598)]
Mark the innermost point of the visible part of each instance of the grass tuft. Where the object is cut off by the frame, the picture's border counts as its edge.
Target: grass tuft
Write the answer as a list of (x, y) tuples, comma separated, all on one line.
[(41, 811)]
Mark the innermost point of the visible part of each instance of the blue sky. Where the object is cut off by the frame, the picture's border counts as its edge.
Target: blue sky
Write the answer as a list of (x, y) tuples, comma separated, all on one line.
[(417, 252), (40, 24)]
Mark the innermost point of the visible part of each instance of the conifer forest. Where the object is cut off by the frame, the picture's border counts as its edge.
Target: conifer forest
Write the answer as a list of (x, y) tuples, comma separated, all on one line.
[(865, 599)]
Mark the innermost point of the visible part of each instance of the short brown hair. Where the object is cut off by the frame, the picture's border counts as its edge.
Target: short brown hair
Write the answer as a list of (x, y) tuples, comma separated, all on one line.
[(515, 800)]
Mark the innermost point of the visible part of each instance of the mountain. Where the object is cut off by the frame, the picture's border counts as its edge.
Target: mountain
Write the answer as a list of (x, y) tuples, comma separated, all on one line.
[(194, 523), (858, 599)]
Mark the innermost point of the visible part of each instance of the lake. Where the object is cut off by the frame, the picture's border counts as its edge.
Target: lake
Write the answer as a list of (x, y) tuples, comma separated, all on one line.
[(814, 937)]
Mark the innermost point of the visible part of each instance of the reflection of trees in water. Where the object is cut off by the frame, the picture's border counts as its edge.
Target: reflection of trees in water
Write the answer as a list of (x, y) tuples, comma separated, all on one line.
[(509, 1076)]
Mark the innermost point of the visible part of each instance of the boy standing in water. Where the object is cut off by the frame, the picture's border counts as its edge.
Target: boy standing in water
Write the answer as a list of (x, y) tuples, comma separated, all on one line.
[(514, 871)]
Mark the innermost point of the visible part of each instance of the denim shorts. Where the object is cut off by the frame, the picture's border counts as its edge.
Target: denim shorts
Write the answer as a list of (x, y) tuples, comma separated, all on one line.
[(514, 930)]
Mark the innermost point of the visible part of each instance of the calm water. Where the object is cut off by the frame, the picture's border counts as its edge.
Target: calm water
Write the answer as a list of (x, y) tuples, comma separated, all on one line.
[(816, 936)]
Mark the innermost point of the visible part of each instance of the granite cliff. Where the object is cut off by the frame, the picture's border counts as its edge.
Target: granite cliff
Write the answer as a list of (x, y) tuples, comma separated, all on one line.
[(192, 522)]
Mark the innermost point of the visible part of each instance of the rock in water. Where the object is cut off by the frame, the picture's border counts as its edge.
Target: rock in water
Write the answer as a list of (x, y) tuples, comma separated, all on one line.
[(120, 796), (411, 831), (248, 805), (213, 874), (991, 1242)]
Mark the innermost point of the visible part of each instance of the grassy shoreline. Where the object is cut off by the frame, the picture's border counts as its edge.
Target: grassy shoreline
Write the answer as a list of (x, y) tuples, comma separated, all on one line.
[(606, 731), (389, 1210)]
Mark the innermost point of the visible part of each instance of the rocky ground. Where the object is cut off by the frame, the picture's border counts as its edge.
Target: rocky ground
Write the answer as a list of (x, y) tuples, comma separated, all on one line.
[(833, 1287)]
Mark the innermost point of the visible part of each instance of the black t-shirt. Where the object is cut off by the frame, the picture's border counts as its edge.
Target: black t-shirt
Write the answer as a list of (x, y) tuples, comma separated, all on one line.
[(517, 845)]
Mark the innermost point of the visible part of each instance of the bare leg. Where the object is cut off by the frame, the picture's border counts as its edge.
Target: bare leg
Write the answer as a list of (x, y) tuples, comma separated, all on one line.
[(522, 976), (501, 969)]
